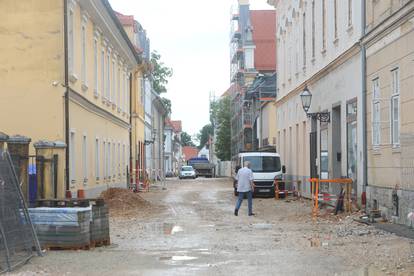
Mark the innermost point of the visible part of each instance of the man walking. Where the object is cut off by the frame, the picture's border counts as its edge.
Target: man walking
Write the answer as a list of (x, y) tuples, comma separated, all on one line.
[(245, 185)]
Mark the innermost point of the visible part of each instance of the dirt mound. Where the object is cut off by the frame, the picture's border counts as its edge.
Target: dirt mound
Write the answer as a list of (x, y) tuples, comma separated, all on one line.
[(124, 202)]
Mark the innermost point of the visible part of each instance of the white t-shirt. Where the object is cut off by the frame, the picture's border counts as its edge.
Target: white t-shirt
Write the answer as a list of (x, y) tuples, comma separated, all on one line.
[(243, 177)]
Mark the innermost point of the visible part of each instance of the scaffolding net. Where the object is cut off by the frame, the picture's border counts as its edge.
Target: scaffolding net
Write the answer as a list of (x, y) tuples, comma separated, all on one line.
[(18, 240)]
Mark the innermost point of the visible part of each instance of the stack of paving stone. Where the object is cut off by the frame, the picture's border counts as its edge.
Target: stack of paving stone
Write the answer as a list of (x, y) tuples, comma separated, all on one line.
[(100, 225), (62, 228)]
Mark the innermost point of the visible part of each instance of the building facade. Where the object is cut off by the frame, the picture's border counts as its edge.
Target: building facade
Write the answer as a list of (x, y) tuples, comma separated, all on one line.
[(138, 37), (177, 145), (318, 48), (80, 96), (159, 113), (252, 52), (390, 103), (168, 148)]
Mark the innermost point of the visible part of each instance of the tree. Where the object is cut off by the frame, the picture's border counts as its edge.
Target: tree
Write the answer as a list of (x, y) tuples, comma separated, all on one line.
[(223, 137), (167, 104), (204, 135), (160, 74), (186, 140)]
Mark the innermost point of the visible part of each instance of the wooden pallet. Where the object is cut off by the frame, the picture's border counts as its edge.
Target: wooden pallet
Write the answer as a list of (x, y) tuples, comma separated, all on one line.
[(100, 243)]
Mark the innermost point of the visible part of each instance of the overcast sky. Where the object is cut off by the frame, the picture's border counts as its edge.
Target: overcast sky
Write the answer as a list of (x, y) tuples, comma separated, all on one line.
[(192, 37)]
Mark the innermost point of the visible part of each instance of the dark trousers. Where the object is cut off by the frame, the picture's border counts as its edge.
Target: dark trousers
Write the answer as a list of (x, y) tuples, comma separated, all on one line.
[(249, 201)]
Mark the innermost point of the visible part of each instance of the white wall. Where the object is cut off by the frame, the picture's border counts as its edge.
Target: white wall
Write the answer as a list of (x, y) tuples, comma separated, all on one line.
[(204, 152), (290, 38), (335, 86)]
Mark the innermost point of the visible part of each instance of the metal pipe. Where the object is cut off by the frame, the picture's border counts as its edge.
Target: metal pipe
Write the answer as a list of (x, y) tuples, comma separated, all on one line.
[(130, 134), (55, 175), (364, 97), (67, 92)]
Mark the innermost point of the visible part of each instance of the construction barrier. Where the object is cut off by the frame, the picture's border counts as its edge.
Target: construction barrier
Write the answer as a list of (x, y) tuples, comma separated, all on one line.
[(341, 200), (280, 188)]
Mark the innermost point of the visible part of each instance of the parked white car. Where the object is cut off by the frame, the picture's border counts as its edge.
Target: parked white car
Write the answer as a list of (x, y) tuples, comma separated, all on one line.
[(187, 172)]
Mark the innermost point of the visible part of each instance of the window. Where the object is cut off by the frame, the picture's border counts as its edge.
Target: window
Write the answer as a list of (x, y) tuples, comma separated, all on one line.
[(304, 39), (249, 58), (127, 94), (142, 90), (324, 158), (263, 163), (84, 159), (113, 96), (335, 19), (95, 65), (119, 159), (395, 108), (97, 159), (108, 75), (104, 159), (123, 96), (290, 62), (297, 54), (113, 160), (313, 29), (349, 13), (323, 25), (72, 157), (108, 162), (71, 48), (118, 88), (376, 113), (103, 73), (83, 47), (123, 158)]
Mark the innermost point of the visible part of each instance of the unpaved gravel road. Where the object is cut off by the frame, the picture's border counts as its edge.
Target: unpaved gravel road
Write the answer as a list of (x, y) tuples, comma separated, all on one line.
[(192, 231)]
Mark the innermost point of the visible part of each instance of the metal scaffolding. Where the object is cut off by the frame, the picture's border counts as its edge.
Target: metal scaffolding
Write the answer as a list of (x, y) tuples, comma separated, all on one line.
[(18, 238)]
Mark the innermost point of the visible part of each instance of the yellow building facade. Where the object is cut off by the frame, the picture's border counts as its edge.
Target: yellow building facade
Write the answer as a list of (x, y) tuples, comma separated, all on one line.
[(67, 73), (390, 107), (137, 36)]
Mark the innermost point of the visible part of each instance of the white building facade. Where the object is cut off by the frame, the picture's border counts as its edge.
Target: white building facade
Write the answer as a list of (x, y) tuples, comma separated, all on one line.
[(318, 48), (168, 148)]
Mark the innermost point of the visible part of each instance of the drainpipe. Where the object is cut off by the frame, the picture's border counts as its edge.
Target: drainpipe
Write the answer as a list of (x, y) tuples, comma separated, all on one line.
[(364, 100), (130, 134), (67, 92)]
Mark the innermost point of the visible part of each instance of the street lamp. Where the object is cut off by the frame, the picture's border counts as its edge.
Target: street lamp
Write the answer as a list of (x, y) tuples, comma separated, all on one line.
[(306, 98), (154, 134)]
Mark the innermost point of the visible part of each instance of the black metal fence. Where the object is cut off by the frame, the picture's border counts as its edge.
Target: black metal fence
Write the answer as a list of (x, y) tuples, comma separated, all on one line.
[(18, 240)]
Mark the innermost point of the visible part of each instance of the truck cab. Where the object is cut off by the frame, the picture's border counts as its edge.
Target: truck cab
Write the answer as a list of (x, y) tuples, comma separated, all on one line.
[(266, 168)]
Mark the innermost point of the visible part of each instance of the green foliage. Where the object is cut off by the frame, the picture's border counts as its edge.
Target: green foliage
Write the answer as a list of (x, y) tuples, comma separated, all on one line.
[(214, 106), (167, 104), (160, 73), (186, 140), (204, 134), (223, 137)]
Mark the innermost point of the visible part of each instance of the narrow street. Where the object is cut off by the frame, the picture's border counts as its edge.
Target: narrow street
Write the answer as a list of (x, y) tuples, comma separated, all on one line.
[(191, 230)]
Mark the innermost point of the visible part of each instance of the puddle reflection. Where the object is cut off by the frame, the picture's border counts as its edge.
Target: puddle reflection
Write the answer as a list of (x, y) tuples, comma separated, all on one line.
[(177, 258), (171, 229)]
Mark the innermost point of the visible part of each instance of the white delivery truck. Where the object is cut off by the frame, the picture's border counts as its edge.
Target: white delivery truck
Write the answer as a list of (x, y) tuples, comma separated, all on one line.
[(266, 168)]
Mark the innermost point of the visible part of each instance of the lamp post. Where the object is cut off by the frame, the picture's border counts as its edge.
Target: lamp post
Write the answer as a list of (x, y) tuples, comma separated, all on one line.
[(154, 134), (306, 98)]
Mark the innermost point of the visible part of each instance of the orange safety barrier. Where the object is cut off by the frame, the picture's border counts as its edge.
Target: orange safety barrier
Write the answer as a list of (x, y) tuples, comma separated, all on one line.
[(346, 188), (294, 192), (145, 182)]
